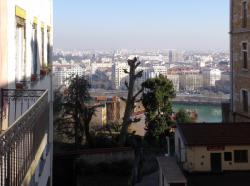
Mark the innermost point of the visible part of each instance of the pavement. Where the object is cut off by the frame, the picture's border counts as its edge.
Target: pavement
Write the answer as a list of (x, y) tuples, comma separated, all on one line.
[(150, 180)]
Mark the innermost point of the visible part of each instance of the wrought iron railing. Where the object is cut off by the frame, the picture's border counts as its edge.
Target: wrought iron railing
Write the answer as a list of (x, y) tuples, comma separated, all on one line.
[(20, 142), (15, 102)]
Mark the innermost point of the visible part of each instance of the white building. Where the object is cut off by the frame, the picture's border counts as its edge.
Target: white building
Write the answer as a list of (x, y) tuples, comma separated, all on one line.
[(210, 76), (26, 114), (63, 72), (158, 69), (119, 76)]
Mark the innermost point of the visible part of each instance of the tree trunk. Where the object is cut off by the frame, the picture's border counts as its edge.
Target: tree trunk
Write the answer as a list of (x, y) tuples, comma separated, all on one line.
[(129, 105)]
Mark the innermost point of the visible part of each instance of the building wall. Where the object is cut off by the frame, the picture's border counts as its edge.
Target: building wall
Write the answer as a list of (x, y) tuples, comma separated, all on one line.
[(100, 116), (210, 76), (197, 159), (37, 12), (240, 76), (175, 78), (41, 11), (191, 82), (3, 43)]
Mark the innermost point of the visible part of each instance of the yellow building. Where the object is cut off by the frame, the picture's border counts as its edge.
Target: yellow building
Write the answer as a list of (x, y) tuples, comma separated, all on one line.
[(213, 147), (240, 42)]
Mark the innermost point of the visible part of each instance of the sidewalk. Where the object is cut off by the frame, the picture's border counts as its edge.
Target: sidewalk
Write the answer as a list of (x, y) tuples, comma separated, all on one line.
[(150, 180)]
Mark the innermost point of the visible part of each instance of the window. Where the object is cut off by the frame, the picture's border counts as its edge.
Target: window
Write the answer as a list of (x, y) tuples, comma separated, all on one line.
[(48, 47), (228, 156), (245, 100), (34, 49), (244, 14), (244, 55), (43, 64), (20, 66), (240, 156)]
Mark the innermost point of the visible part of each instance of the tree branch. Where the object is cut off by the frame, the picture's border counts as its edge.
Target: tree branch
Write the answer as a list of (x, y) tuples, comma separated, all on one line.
[(126, 84), (136, 120), (137, 94), (139, 74), (138, 64), (125, 71), (123, 99)]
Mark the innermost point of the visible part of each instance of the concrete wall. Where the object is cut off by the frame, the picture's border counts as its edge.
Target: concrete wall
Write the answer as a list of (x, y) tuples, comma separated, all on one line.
[(3, 43), (107, 155), (180, 149)]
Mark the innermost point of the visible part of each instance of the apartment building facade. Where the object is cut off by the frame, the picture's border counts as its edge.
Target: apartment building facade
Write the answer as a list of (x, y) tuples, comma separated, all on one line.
[(240, 60), (26, 109)]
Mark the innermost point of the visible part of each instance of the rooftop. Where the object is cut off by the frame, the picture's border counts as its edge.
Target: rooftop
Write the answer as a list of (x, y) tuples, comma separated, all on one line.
[(215, 134)]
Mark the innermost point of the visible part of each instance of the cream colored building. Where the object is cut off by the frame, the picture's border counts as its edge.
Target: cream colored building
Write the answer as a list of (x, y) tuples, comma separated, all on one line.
[(191, 81), (210, 76), (26, 112), (175, 78), (213, 147), (240, 65)]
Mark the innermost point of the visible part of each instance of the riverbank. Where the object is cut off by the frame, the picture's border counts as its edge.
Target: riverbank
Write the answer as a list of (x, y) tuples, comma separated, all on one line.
[(200, 100), (207, 113)]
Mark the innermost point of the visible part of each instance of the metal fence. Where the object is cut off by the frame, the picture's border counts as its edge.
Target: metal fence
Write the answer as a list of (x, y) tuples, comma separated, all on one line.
[(20, 142)]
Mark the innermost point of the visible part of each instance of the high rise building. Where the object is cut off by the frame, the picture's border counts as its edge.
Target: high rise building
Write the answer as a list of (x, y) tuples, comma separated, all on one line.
[(63, 72), (240, 66), (26, 113), (119, 76)]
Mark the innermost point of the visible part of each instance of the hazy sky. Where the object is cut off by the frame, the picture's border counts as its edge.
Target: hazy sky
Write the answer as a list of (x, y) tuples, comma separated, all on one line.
[(141, 24)]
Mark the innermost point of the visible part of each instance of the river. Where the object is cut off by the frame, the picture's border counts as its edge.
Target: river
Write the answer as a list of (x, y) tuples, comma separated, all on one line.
[(206, 113)]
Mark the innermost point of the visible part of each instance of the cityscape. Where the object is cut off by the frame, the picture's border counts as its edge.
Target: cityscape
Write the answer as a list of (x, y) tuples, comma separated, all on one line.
[(133, 93)]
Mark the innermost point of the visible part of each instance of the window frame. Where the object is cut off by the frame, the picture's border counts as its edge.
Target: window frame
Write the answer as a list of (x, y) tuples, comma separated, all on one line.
[(20, 63), (241, 156), (245, 100), (228, 156), (244, 14), (35, 49), (244, 53)]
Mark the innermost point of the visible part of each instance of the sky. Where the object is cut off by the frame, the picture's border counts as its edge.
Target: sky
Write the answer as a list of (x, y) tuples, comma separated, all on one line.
[(141, 24)]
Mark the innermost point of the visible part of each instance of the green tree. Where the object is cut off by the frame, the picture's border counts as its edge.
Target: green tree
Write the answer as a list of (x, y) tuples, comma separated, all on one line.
[(77, 113), (183, 117), (157, 101)]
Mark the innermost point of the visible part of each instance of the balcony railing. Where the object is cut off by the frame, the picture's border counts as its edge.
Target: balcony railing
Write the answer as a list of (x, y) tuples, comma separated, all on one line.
[(21, 141)]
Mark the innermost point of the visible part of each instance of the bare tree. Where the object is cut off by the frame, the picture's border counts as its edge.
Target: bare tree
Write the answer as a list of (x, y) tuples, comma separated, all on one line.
[(131, 98)]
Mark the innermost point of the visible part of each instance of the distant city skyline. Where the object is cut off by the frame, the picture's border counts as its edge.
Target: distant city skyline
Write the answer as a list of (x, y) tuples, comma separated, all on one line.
[(141, 24)]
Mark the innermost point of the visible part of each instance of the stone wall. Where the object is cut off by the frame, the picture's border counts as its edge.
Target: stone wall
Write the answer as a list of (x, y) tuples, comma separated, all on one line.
[(240, 76)]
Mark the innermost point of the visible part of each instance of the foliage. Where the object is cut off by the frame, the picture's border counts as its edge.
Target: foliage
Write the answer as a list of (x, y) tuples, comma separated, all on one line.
[(156, 100), (57, 104), (76, 112), (131, 98), (114, 127), (183, 117), (157, 96)]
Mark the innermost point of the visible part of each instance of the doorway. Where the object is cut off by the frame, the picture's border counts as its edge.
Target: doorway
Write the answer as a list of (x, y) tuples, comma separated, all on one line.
[(216, 162)]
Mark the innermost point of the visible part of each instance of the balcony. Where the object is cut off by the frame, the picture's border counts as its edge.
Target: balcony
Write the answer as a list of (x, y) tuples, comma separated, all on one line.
[(22, 139)]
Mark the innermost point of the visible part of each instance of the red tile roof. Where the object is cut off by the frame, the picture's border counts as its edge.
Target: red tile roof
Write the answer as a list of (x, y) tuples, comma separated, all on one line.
[(215, 134)]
